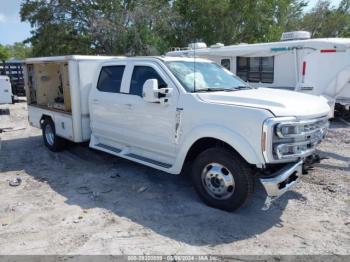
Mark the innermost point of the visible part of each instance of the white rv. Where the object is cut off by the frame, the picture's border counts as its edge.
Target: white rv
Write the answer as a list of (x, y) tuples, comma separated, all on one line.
[(6, 96), (313, 66)]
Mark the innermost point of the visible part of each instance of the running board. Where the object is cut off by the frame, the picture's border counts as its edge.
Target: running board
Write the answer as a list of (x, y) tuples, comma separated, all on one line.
[(131, 155), (151, 161), (110, 148)]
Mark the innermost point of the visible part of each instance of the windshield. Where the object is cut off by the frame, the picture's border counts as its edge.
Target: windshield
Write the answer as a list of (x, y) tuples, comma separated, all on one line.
[(205, 76)]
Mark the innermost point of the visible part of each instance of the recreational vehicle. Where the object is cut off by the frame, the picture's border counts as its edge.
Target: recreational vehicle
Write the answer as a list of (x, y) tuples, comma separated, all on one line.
[(148, 110), (312, 66)]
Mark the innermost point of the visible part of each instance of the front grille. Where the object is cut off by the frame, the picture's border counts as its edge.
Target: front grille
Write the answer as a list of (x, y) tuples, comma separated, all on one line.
[(291, 139)]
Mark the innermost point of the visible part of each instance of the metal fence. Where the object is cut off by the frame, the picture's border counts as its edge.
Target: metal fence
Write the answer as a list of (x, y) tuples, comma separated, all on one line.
[(14, 70)]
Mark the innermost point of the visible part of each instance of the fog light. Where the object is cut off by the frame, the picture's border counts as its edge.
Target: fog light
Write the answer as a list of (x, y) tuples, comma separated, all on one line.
[(286, 149)]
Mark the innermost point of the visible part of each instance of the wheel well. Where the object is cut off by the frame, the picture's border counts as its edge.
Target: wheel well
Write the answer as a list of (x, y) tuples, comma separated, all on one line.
[(205, 143), (43, 118)]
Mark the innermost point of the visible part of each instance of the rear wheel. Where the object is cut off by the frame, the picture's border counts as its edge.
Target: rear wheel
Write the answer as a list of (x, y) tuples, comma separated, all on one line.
[(51, 140), (222, 178)]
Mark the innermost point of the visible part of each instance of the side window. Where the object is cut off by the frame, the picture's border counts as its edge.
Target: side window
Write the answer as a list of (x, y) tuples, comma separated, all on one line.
[(110, 79), (140, 75), (256, 69), (226, 63), (242, 68), (267, 68)]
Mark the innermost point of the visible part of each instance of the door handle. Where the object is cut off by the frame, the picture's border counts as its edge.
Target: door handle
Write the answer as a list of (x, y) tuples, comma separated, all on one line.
[(95, 101)]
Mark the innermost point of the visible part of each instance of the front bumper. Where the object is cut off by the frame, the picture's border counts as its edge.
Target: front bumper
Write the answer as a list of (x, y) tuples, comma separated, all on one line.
[(281, 181)]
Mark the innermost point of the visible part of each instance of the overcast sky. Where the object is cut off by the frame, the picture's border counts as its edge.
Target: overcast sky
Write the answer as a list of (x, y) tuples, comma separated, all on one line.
[(13, 30)]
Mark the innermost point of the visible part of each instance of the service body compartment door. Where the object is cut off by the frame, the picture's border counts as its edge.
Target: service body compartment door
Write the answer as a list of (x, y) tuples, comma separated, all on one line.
[(63, 125)]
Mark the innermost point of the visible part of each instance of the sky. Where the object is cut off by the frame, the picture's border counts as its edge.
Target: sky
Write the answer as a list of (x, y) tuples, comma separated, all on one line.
[(313, 2), (13, 30)]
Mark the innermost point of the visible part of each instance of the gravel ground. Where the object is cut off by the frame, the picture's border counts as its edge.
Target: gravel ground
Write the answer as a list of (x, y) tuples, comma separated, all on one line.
[(81, 201)]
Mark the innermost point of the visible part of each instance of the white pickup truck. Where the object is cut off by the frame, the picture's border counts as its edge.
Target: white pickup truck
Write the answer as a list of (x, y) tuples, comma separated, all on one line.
[(174, 113)]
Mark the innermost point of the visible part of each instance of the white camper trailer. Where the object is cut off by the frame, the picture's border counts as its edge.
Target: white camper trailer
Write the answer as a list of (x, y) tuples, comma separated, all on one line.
[(5, 90), (314, 66)]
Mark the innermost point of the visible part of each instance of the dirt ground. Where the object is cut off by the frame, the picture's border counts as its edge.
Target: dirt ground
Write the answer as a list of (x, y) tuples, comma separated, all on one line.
[(82, 201)]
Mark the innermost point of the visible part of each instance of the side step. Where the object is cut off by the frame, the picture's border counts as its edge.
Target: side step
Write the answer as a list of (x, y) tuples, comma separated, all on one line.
[(119, 152), (151, 161), (110, 148)]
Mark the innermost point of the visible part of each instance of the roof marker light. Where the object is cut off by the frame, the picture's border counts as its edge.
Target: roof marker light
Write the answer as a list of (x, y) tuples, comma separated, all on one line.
[(279, 49), (328, 50)]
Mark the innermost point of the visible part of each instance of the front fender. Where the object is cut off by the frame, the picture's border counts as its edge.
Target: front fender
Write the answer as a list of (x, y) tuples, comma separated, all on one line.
[(234, 139)]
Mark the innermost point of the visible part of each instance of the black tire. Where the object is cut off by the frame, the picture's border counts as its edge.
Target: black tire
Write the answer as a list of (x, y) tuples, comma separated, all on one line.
[(53, 142), (233, 167)]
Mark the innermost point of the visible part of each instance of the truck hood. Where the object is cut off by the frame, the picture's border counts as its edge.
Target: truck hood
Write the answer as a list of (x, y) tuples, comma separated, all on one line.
[(278, 102)]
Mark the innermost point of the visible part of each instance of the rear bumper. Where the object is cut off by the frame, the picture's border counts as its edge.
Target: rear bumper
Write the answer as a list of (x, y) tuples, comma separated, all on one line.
[(282, 181)]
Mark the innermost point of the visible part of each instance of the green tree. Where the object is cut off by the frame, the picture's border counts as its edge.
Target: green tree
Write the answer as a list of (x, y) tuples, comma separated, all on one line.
[(326, 20), (4, 53), (232, 21), (97, 27), (19, 50), (151, 27)]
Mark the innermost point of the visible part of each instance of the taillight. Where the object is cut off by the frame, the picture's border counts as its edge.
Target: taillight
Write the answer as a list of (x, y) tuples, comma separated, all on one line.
[(304, 72), (304, 68)]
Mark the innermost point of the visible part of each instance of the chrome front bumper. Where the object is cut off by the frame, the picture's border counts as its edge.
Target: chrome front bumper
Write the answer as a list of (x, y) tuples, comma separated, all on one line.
[(282, 181)]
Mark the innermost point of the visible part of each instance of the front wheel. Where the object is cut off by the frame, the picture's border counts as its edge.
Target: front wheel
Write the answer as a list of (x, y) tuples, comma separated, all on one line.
[(51, 140), (222, 179)]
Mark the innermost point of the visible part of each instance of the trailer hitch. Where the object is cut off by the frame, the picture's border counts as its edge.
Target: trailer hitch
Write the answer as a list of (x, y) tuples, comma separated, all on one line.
[(310, 161)]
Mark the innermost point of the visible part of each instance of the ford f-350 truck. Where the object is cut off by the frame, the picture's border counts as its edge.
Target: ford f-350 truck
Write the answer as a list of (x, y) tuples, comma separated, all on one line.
[(176, 114)]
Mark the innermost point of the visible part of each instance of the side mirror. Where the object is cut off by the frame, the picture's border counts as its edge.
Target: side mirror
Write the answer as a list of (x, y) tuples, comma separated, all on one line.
[(149, 91), (153, 94)]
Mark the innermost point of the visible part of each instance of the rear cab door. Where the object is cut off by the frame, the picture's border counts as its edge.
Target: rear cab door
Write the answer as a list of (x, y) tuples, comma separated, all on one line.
[(106, 103)]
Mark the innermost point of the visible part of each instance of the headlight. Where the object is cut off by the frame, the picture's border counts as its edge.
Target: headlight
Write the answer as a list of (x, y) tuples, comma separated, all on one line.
[(287, 138), (284, 130), (301, 128)]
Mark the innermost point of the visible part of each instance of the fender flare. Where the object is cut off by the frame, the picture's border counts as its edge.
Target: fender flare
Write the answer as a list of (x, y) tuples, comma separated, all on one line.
[(232, 138)]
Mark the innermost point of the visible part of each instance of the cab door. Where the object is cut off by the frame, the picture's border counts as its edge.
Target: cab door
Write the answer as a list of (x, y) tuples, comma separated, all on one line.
[(107, 106), (150, 126)]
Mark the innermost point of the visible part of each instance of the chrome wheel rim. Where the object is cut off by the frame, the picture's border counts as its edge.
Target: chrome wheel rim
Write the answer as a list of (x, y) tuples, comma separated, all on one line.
[(49, 135), (218, 181)]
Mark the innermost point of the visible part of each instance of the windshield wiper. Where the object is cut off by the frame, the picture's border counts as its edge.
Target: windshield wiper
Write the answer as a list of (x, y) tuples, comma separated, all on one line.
[(209, 89), (242, 87), (213, 90)]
